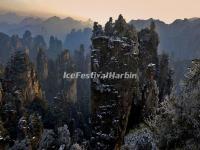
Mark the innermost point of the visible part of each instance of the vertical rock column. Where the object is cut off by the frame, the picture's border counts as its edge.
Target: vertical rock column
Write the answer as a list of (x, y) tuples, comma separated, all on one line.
[(111, 99)]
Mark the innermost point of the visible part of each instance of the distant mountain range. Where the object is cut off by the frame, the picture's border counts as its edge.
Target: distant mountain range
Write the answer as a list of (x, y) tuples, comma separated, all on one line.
[(11, 18), (12, 23), (180, 39)]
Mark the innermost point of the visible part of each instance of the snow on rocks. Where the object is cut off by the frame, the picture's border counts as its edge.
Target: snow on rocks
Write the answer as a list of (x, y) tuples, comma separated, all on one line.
[(140, 138)]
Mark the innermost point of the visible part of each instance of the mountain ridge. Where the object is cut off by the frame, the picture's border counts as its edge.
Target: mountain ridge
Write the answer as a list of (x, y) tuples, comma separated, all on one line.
[(55, 26), (180, 39)]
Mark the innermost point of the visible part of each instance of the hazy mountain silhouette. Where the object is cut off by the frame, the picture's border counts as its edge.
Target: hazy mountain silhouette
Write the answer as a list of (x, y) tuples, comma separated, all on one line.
[(52, 26), (10, 18), (181, 39), (75, 38)]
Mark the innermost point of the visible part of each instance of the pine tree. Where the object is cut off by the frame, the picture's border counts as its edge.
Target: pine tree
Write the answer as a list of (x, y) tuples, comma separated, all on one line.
[(109, 27), (97, 30), (120, 26)]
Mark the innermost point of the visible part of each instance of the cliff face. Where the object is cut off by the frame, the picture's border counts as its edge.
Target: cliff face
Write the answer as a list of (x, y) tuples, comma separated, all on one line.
[(55, 47), (148, 69), (20, 78), (9, 44), (1, 93), (119, 105), (148, 40), (83, 85), (155, 83), (68, 86), (42, 67), (25, 114), (155, 74), (20, 87), (1, 75), (112, 98)]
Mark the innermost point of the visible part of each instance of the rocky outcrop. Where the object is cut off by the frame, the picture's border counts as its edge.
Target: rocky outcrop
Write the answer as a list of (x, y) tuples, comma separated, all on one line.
[(5, 47), (55, 47), (150, 93), (19, 88), (115, 49), (38, 43), (148, 43), (42, 68), (68, 86), (1, 89), (83, 85), (77, 37), (1, 93), (165, 79), (112, 98), (148, 68), (10, 44), (20, 78)]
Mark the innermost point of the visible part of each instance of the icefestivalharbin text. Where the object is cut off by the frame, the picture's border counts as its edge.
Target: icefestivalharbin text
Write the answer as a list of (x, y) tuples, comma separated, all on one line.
[(93, 75)]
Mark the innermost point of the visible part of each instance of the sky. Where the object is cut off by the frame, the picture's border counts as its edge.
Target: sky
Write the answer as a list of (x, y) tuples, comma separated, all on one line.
[(101, 10)]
